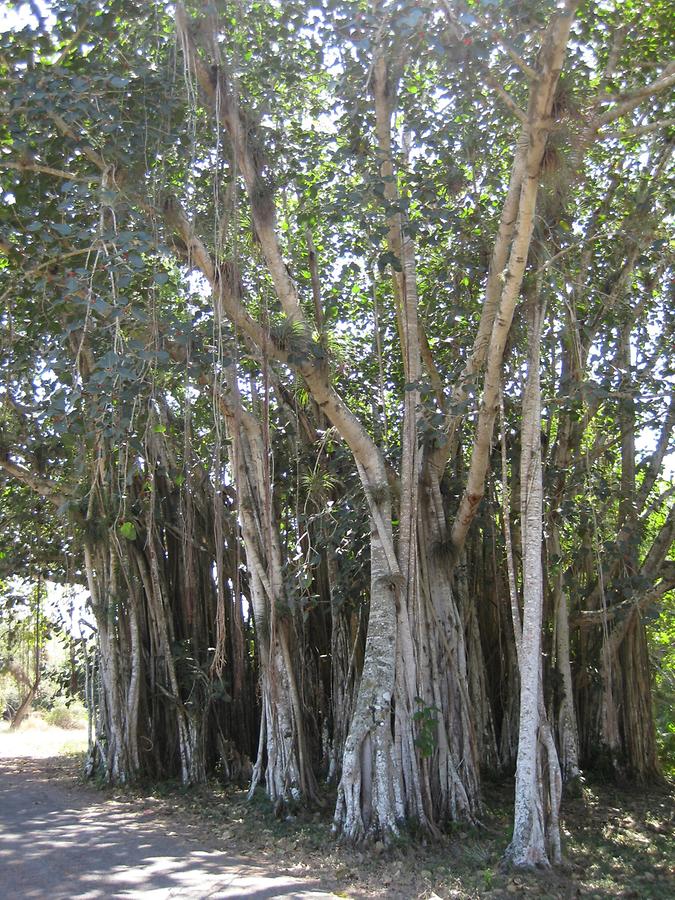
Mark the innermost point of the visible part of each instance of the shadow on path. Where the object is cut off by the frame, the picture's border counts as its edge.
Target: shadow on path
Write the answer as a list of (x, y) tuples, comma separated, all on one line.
[(59, 843)]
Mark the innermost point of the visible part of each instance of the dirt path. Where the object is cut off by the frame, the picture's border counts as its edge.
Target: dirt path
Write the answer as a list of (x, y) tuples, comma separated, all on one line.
[(61, 841)]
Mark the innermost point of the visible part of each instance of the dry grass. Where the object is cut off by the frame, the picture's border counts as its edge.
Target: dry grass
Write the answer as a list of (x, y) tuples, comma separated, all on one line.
[(36, 739)]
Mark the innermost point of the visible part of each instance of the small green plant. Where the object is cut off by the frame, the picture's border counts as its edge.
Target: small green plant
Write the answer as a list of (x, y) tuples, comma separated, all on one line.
[(426, 719), (128, 531)]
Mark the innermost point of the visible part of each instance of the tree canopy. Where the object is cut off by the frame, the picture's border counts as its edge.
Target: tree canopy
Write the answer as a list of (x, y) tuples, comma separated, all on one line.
[(337, 364)]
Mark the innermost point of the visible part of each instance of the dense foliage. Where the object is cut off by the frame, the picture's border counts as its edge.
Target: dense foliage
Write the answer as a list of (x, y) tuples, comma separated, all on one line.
[(303, 307)]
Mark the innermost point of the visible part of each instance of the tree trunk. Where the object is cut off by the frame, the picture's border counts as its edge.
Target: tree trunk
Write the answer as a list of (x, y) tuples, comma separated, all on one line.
[(444, 676), (25, 705), (282, 748), (19, 674), (370, 801), (536, 835), (565, 716)]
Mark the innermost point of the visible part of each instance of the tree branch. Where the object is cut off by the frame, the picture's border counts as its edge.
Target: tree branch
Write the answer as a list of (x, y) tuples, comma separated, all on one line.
[(624, 103), (45, 487), (505, 97), (514, 240), (653, 466), (88, 151), (639, 130), (589, 617), (20, 166), (216, 87)]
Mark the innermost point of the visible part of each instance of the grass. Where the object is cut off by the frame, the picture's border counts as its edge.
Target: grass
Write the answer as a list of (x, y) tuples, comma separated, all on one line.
[(38, 739)]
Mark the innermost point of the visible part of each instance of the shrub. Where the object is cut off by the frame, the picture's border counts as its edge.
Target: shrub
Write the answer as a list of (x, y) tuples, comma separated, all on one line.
[(62, 716)]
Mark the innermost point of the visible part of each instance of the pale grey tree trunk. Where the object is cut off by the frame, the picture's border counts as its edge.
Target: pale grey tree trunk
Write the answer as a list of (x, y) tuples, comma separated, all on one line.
[(370, 794), (434, 738), (282, 748), (119, 757), (566, 720), (536, 834)]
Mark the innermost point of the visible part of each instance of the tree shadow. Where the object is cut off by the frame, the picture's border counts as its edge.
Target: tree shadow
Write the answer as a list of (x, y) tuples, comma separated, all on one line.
[(59, 841)]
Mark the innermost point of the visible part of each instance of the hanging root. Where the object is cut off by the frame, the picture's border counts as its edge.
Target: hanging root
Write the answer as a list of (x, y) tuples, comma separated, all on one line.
[(555, 793)]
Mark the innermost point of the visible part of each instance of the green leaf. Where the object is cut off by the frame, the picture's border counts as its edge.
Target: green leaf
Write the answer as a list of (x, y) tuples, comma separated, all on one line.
[(128, 531)]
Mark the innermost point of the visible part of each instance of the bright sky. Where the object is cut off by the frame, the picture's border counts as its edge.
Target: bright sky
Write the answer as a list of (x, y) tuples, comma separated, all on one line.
[(16, 15), (65, 605)]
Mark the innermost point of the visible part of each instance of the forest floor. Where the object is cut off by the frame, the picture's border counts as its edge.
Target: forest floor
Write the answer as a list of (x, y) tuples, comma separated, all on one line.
[(617, 842)]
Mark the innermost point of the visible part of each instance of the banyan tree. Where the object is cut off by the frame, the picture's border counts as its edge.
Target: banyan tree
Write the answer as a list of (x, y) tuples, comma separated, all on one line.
[(338, 340)]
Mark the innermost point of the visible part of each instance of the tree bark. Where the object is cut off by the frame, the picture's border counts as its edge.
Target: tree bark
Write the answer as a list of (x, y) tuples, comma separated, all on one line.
[(536, 835)]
